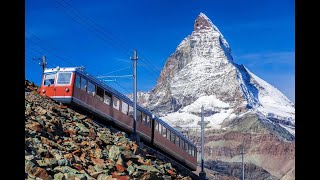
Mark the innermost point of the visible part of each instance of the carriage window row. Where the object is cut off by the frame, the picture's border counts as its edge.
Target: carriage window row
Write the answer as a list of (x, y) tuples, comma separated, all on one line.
[(108, 99), (165, 132), (95, 91)]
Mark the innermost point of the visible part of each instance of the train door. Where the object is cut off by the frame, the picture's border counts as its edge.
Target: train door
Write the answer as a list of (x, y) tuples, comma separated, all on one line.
[(63, 87), (48, 87)]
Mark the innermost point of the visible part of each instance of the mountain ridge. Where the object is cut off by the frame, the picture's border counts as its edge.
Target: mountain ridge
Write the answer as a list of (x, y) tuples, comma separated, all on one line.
[(240, 108), (202, 58)]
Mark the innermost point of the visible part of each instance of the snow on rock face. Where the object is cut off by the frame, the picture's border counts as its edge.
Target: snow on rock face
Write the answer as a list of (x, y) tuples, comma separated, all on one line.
[(203, 22), (272, 101), (202, 72), (208, 103), (201, 63), (186, 119)]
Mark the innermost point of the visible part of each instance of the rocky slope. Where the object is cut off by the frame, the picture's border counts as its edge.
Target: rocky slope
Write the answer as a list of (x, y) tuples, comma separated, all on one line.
[(202, 72), (61, 143), (235, 170)]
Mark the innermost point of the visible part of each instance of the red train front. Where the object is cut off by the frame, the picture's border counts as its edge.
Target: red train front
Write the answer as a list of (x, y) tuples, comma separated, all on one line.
[(57, 83)]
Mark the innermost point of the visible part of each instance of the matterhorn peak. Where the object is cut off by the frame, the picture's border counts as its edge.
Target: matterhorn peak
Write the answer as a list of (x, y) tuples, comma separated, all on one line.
[(202, 71), (203, 22)]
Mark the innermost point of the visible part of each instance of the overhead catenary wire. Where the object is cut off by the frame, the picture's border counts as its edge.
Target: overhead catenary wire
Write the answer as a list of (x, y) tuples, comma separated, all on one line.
[(89, 24), (114, 76), (104, 74), (97, 31)]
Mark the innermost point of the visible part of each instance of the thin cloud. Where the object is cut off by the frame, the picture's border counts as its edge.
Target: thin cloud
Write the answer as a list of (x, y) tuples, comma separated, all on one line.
[(284, 58)]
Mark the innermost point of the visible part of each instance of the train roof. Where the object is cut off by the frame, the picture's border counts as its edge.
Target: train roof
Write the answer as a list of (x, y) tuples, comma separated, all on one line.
[(61, 69), (111, 90)]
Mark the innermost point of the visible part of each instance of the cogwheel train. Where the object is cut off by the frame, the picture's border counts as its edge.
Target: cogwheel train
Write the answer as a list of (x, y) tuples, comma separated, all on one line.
[(72, 85)]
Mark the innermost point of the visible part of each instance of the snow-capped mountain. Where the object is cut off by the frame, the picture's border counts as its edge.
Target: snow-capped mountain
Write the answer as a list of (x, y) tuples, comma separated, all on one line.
[(202, 72), (240, 109)]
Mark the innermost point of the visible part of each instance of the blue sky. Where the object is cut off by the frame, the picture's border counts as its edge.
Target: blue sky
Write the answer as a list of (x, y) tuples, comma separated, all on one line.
[(100, 35)]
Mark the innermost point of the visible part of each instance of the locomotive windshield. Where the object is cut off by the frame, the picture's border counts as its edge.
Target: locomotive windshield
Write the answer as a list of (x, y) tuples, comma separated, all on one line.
[(48, 79), (64, 78)]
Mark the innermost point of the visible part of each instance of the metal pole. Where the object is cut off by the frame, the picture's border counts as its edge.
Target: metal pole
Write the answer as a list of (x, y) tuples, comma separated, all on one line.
[(134, 58), (242, 162), (202, 138), (44, 63), (152, 129), (202, 174)]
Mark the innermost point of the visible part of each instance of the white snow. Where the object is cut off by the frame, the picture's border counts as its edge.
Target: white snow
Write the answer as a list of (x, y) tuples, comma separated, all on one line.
[(185, 119), (208, 103), (272, 100), (290, 129)]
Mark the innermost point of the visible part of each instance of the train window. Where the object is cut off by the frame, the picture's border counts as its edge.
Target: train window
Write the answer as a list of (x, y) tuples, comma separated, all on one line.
[(169, 134), (156, 125), (116, 103), (164, 131), (84, 84), (48, 79), (185, 146), (99, 93), (160, 129), (192, 151), (130, 110), (107, 98), (195, 152), (173, 137), (77, 81), (124, 108), (149, 121), (144, 118), (64, 78), (139, 115), (182, 144), (178, 141), (91, 89)]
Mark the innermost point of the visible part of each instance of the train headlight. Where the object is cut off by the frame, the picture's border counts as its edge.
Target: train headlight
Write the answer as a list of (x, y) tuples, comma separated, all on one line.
[(43, 90), (67, 89)]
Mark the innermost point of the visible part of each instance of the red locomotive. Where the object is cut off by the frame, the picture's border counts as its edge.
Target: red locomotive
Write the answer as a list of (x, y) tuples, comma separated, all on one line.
[(72, 85)]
